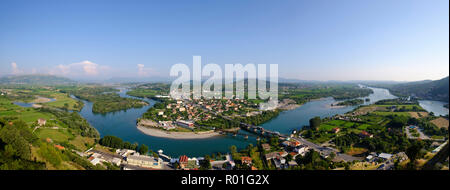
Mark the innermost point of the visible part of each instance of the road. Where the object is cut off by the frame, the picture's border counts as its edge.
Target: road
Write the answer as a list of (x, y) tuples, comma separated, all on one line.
[(322, 150)]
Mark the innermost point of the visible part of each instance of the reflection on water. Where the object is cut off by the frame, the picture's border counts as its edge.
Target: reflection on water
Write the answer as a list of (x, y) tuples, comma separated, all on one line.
[(437, 107), (28, 105), (297, 118), (123, 125)]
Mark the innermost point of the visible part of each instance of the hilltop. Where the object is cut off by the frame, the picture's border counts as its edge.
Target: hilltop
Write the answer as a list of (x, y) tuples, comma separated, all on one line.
[(427, 89), (35, 80)]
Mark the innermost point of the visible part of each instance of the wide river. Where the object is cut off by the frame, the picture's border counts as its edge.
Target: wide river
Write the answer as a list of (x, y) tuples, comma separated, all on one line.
[(123, 124)]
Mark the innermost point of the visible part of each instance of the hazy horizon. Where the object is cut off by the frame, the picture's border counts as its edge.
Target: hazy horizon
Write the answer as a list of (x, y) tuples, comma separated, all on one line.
[(405, 40)]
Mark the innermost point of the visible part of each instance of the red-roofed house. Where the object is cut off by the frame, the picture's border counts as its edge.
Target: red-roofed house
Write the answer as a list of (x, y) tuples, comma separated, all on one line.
[(59, 147), (183, 161), (41, 121), (294, 143), (336, 130), (365, 134), (246, 160)]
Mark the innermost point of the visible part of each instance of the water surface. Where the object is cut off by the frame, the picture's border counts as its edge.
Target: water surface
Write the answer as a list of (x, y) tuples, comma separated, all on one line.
[(437, 107), (123, 124)]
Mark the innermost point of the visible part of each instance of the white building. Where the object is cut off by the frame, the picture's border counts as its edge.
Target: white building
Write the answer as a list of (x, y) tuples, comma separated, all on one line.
[(385, 156), (144, 161)]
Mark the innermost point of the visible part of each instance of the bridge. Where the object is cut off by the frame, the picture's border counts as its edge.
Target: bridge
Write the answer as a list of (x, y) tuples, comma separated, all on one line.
[(258, 130)]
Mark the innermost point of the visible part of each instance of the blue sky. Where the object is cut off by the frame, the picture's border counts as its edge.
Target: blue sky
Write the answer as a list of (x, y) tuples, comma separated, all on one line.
[(402, 40)]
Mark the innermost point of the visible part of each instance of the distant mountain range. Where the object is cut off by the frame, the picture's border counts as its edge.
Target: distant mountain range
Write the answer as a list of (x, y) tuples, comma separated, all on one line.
[(35, 80), (426, 89)]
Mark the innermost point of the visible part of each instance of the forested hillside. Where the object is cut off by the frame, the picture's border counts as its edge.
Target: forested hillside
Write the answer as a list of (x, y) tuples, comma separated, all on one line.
[(35, 80), (432, 90)]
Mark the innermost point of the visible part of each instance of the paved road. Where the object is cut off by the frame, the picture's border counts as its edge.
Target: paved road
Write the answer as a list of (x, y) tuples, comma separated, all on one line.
[(322, 150)]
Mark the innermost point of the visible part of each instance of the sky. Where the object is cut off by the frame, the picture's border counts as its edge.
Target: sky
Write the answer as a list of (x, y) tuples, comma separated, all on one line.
[(402, 40)]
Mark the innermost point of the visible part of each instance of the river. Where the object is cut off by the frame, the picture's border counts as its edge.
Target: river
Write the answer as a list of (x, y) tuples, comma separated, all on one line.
[(437, 107), (123, 124)]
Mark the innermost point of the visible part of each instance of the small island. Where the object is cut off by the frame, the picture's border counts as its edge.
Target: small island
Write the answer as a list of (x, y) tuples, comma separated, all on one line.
[(104, 99), (353, 102)]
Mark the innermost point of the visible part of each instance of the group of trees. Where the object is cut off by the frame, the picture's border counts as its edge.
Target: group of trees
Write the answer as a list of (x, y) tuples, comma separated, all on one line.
[(314, 123), (150, 90), (15, 152), (219, 123), (302, 93), (260, 118), (16, 138), (118, 143), (104, 99), (113, 102), (353, 102), (74, 121)]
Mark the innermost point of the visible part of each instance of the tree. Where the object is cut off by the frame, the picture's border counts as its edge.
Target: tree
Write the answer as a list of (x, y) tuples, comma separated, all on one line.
[(413, 152), (205, 164), (66, 106), (332, 155), (233, 149), (111, 141), (314, 123), (143, 149)]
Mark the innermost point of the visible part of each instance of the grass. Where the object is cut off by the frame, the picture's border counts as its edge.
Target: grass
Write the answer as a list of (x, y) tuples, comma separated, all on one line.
[(356, 150), (62, 100), (441, 122), (57, 135), (80, 142), (328, 126), (406, 114)]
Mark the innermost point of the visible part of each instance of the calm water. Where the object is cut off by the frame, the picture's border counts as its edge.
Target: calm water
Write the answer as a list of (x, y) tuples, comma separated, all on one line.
[(378, 94), (297, 118), (437, 107), (28, 105), (123, 125)]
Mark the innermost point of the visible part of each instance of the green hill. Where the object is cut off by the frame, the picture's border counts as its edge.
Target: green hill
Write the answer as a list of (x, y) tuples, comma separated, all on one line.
[(432, 90), (35, 80)]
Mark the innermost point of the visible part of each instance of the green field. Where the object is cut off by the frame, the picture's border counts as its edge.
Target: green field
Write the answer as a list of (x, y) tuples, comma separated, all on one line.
[(57, 135), (29, 115), (328, 126), (406, 114), (61, 100)]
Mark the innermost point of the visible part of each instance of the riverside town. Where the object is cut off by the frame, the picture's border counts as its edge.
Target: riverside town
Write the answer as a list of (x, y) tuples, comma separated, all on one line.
[(220, 94)]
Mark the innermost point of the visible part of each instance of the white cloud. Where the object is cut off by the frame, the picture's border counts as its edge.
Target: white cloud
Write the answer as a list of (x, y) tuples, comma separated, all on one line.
[(84, 68), (15, 69), (143, 71)]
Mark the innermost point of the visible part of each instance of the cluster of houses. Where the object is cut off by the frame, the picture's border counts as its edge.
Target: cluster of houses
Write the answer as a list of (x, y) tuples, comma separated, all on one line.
[(98, 157), (224, 106), (132, 160), (180, 113), (172, 109), (3, 92), (168, 125), (290, 147), (388, 160), (184, 113), (128, 159)]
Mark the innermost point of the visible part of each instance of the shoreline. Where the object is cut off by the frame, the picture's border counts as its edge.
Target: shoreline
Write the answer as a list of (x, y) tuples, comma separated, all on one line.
[(176, 135), (336, 106)]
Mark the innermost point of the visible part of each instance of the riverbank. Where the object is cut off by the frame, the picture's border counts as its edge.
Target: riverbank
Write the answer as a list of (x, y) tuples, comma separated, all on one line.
[(40, 100), (176, 135), (288, 104), (334, 106)]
